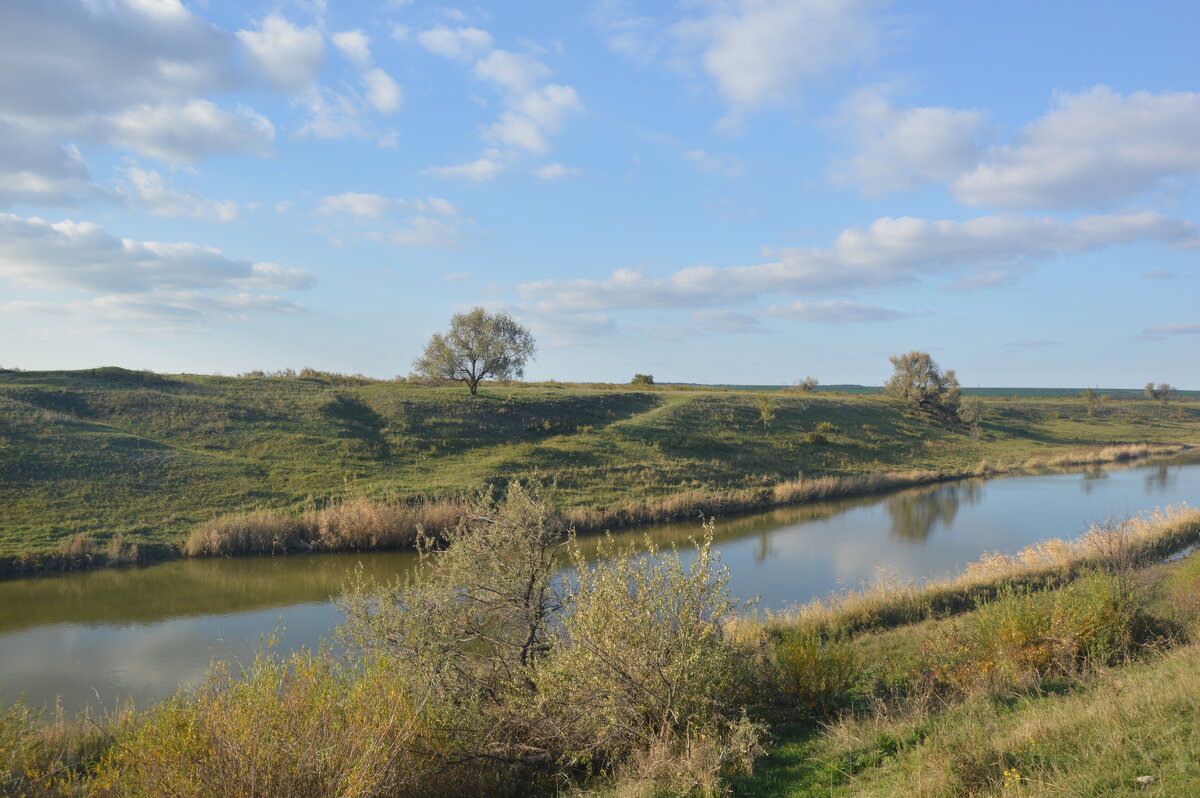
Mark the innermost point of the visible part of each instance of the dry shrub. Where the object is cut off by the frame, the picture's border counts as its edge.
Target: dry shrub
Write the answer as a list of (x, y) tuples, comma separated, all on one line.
[(51, 755), (302, 727), (257, 532), (121, 551), (814, 672), (1024, 636)]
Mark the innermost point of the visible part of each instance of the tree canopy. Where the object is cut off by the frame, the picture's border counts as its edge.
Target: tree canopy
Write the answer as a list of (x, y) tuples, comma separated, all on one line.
[(919, 382), (478, 345)]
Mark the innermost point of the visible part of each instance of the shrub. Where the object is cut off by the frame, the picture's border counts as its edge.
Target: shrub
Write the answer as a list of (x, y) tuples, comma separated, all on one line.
[(816, 673), (642, 379), (303, 727), (1025, 635)]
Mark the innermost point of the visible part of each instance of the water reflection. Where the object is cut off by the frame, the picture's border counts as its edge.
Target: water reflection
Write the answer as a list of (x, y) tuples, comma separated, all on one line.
[(142, 631), (915, 513)]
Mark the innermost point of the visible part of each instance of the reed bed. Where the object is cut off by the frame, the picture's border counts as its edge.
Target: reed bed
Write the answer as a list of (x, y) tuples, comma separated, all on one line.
[(359, 524)]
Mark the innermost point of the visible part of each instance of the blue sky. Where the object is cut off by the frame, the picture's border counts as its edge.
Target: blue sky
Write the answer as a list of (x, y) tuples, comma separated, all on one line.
[(731, 191)]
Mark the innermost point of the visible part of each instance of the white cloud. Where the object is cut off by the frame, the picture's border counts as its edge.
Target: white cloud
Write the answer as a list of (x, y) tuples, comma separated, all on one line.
[(287, 56), (459, 44), (899, 149), (1093, 148), (382, 91), (38, 171), (355, 45), (152, 192), (829, 312), (515, 72), (82, 256), (332, 115), (626, 33), (186, 306), (983, 279), (555, 171), (190, 132), (477, 171), (764, 52), (421, 231), (62, 59), (375, 206), (370, 206), (399, 33), (889, 251), (727, 165)]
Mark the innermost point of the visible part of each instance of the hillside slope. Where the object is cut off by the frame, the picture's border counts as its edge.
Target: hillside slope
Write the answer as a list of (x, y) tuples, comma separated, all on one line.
[(108, 451)]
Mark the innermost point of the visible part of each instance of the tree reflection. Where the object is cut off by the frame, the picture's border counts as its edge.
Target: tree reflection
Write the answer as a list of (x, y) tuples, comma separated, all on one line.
[(915, 513)]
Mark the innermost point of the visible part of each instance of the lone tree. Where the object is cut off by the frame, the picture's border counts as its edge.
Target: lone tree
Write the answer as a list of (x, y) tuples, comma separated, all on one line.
[(919, 382), (642, 379), (478, 345)]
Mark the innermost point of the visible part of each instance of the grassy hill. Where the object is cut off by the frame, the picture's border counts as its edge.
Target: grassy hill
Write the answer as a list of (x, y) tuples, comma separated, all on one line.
[(149, 456)]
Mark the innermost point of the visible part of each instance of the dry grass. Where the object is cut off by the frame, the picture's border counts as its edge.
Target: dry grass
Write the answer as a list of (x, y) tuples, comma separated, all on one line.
[(258, 532)]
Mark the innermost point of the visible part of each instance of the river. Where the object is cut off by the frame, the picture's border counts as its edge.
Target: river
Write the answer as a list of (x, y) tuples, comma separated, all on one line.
[(96, 638)]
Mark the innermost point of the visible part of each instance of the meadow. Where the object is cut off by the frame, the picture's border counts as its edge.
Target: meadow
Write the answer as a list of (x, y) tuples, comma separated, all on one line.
[(109, 465)]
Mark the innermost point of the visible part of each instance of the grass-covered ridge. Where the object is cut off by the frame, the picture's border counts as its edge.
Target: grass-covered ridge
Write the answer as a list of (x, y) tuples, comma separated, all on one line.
[(149, 457)]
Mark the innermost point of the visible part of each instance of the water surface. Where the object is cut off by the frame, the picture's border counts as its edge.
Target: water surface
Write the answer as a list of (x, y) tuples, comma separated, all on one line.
[(94, 638)]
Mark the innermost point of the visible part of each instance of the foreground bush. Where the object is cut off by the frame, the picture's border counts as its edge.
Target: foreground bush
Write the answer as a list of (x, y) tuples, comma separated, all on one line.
[(303, 727), (540, 680)]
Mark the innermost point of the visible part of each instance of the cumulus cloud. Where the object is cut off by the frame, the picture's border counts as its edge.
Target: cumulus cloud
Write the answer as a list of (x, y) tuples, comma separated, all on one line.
[(375, 206), (460, 44), (150, 191), (383, 92), (830, 312), (887, 252), (190, 132), (898, 149), (99, 57), (534, 111), (287, 56), (764, 52), (1093, 148), (82, 256), (40, 171), (355, 46), (428, 222), (478, 171)]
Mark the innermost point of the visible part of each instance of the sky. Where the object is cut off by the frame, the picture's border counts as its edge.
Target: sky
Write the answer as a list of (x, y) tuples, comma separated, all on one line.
[(715, 191)]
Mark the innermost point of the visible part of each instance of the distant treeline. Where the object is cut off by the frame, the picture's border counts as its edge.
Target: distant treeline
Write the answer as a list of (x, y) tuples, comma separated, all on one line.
[(1003, 393)]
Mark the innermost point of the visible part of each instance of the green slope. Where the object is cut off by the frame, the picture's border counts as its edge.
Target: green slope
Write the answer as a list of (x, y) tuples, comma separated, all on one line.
[(104, 451)]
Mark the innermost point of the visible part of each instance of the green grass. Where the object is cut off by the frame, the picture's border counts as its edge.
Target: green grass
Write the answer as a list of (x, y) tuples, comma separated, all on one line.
[(108, 451)]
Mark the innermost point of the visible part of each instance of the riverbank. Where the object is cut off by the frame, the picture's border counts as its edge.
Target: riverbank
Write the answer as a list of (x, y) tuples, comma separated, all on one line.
[(361, 524), (1056, 633), (111, 466)]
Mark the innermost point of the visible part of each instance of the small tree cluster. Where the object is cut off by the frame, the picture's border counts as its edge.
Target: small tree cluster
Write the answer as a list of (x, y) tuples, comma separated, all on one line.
[(920, 384), (642, 379), (806, 385), (1163, 392)]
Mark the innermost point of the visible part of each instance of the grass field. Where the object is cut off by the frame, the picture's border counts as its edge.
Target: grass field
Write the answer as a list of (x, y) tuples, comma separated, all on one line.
[(109, 452)]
